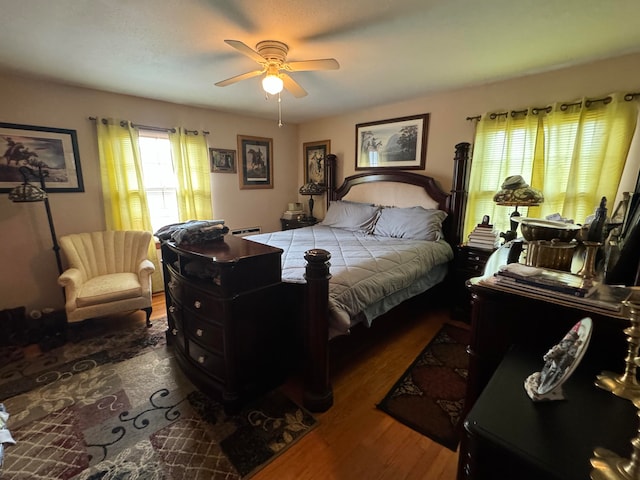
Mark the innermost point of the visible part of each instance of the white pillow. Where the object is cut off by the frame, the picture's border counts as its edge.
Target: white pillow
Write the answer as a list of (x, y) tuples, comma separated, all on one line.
[(353, 216), (413, 222)]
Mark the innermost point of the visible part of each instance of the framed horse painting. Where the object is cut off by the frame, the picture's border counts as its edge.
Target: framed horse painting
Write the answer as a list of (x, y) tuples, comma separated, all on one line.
[(55, 150), (256, 162)]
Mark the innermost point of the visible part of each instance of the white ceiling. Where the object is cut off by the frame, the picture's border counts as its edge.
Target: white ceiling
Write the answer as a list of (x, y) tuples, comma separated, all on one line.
[(388, 50)]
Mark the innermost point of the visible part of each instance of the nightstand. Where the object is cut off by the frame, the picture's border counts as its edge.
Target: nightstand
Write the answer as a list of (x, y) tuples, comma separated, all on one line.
[(469, 262), (288, 224)]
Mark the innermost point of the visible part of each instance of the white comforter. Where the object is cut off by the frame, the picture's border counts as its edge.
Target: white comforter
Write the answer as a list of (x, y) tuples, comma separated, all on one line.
[(365, 269)]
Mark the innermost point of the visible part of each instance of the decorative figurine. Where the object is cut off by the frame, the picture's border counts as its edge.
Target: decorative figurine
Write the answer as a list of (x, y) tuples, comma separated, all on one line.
[(560, 362)]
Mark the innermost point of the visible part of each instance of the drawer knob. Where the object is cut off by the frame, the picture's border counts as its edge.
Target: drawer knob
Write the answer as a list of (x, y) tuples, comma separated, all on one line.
[(172, 309), (174, 332), (201, 359), (199, 332), (197, 304)]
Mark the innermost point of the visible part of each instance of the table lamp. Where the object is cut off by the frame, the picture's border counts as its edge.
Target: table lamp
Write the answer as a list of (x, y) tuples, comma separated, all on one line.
[(515, 192), (312, 189)]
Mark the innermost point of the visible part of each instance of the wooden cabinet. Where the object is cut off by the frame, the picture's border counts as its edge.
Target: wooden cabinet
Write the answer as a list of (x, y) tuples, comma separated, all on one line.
[(229, 335), (511, 437), (288, 224), (469, 262), (502, 319)]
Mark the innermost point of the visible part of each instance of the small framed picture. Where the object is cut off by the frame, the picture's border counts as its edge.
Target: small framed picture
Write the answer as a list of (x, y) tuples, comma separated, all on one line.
[(256, 157), (222, 160), (53, 149), (315, 154), (399, 143)]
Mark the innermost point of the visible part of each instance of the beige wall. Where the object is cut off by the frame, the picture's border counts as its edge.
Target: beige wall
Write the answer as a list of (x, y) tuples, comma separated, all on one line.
[(448, 111), (28, 265), (29, 269)]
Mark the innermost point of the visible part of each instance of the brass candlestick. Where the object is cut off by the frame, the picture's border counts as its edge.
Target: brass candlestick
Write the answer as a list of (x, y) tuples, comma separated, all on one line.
[(588, 269), (608, 465), (626, 385)]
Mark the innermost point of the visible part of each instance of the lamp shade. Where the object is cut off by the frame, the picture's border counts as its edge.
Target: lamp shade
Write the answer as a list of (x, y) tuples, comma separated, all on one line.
[(516, 192), (312, 188), (27, 193)]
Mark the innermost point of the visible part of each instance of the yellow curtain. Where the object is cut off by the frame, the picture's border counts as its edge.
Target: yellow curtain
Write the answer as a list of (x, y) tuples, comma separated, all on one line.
[(587, 144), (125, 200), (504, 146), (190, 155), (574, 153)]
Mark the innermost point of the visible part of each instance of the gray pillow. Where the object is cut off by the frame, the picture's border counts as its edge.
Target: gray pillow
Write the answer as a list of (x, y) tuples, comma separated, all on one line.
[(353, 216), (414, 222)]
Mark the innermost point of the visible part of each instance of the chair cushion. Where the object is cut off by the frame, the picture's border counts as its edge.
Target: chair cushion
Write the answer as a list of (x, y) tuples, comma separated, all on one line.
[(109, 288)]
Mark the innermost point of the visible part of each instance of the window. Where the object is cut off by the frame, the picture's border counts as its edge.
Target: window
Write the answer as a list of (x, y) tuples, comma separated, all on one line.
[(574, 153), (159, 178)]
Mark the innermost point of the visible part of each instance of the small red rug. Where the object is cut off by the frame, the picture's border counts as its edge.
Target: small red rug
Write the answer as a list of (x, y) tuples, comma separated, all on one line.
[(429, 396)]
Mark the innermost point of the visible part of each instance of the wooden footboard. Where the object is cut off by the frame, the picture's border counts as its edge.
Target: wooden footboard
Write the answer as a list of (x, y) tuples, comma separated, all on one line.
[(318, 394)]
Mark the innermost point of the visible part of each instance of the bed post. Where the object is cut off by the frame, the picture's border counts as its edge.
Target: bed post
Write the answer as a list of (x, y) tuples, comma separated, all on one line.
[(318, 395), (330, 177), (459, 191)]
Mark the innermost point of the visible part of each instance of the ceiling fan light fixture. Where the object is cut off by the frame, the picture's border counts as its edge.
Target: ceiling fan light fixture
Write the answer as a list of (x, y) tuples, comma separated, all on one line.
[(272, 84)]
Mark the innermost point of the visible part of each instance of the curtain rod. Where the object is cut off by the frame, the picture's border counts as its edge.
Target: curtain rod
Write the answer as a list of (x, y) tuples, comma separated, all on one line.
[(124, 123), (535, 110)]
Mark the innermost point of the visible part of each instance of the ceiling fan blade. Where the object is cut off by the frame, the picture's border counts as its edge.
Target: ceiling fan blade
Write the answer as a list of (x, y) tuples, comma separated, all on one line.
[(292, 86), (307, 65), (248, 51), (238, 78)]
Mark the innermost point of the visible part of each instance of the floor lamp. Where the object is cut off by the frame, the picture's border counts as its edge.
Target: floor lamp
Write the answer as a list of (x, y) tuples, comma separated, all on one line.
[(27, 192)]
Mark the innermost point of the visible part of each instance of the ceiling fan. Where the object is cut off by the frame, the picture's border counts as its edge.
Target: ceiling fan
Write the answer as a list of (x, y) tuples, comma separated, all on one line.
[(272, 56)]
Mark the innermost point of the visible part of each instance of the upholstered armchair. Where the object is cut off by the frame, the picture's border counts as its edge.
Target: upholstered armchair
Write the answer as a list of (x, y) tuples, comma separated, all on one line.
[(108, 273)]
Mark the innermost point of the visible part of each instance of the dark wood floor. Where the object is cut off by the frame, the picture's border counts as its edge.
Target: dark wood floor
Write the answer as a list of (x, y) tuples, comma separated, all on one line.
[(354, 440)]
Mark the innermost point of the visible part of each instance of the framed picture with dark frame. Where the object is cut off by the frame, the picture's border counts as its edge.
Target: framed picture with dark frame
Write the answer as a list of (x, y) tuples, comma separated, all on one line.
[(315, 154), (256, 162), (53, 149), (398, 143), (222, 160)]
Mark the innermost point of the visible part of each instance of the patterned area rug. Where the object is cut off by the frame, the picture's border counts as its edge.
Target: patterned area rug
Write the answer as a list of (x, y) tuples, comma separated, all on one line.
[(429, 397), (116, 406)]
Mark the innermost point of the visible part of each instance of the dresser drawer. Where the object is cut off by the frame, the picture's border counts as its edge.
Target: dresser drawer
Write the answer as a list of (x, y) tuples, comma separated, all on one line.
[(209, 362), (202, 303), (174, 286), (175, 323), (209, 334)]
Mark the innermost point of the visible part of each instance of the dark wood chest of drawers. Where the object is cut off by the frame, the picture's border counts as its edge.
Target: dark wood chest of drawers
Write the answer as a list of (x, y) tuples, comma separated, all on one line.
[(223, 317)]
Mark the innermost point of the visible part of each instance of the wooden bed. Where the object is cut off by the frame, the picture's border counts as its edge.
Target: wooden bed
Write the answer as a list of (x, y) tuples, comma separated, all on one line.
[(391, 188), (232, 349)]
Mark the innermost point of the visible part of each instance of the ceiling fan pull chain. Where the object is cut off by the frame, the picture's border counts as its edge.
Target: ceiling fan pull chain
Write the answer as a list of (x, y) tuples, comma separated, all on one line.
[(279, 111)]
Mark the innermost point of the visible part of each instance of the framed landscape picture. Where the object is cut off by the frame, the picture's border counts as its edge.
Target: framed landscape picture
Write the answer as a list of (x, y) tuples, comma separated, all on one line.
[(222, 161), (399, 143), (315, 154), (53, 149), (256, 162)]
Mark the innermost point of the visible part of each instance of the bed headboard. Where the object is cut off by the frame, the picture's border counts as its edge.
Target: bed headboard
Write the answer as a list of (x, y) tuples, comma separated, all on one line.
[(400, 188)]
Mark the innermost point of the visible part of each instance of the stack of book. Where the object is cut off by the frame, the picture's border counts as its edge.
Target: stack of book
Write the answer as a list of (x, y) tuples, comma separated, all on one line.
[(484, 236), (293, 215)]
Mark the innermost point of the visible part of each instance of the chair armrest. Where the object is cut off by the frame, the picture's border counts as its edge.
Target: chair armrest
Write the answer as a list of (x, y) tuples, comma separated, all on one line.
[(145, 270), (71, 279)]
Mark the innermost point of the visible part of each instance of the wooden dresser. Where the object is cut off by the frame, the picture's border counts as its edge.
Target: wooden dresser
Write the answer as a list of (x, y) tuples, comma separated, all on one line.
[(223, 317)]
